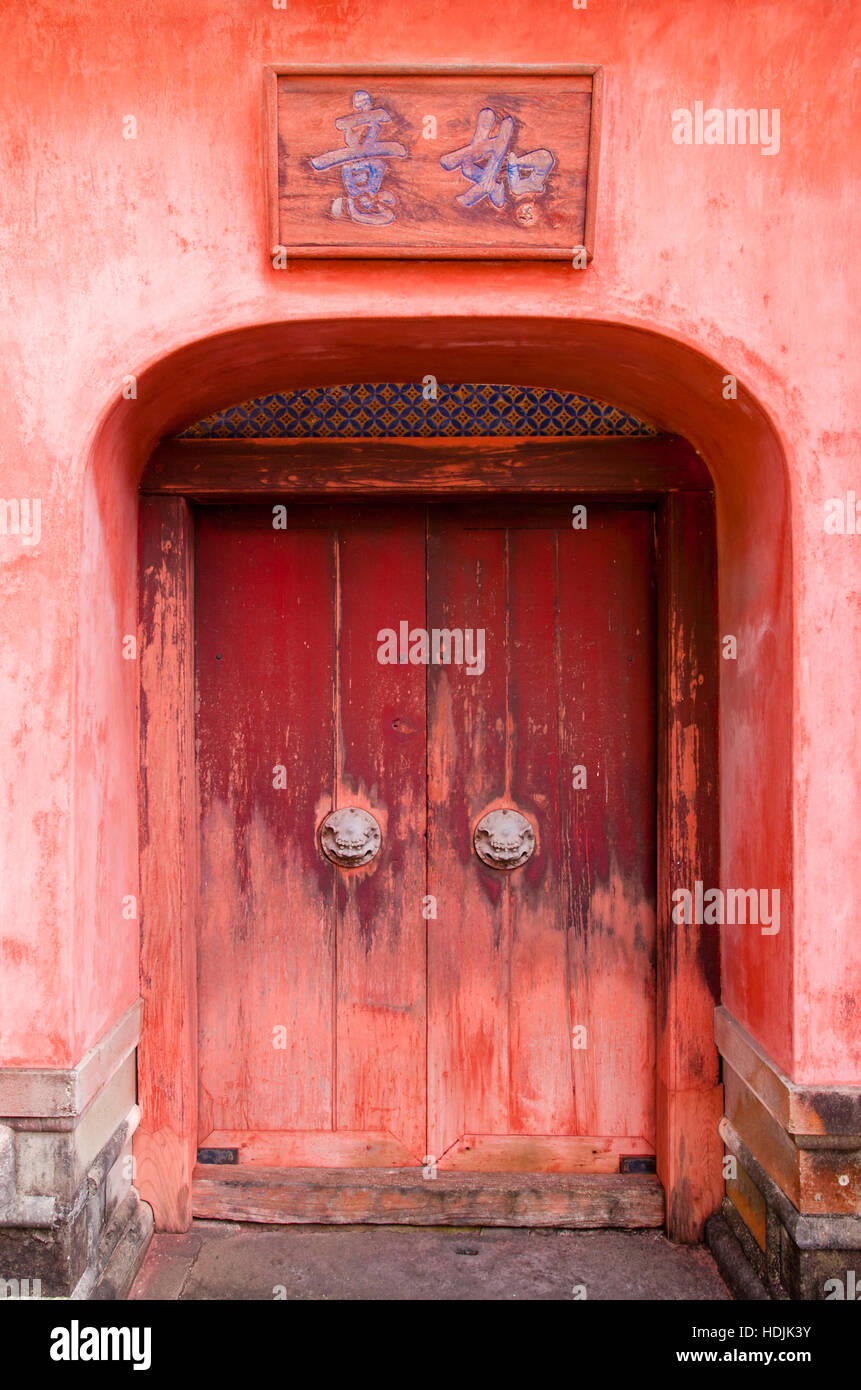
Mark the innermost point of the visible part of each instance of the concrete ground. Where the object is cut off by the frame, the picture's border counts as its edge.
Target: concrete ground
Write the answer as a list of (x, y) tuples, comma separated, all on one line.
[(229, 1260)]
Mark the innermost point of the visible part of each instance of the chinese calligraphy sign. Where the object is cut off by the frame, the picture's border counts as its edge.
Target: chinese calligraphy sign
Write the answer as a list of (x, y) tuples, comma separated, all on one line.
[(489, 148), (363, 163), (432, 164)]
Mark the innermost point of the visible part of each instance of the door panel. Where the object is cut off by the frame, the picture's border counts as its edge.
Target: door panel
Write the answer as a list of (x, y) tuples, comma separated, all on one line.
[(381, 970), (468, 941), (287, 677), (265, 647), (340, 1027), (520, 959), (608, 723), (540, 1082)]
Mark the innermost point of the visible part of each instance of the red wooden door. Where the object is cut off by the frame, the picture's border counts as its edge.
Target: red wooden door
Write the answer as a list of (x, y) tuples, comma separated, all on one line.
[(427, 1003), (541, 1019), (312, 980)]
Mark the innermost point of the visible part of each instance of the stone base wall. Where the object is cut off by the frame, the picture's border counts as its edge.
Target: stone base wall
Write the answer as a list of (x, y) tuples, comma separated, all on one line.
[(71, 1222), (792, 1210)]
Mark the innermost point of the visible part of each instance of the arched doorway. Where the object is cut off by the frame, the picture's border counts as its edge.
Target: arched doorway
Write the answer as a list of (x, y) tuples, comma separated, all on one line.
[(671, 385)]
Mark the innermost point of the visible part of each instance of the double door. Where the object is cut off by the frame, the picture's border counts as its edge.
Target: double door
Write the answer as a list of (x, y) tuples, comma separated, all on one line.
[(426, 754)]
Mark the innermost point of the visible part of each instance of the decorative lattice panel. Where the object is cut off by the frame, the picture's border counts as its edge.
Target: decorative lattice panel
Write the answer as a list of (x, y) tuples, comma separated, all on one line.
[(399, 410)]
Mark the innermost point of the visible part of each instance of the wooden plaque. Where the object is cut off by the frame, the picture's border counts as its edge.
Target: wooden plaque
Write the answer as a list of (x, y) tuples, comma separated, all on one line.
[(490, 163)]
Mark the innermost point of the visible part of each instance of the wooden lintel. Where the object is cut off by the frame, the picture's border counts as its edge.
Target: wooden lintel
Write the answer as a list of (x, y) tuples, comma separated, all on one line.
[(218, 469)]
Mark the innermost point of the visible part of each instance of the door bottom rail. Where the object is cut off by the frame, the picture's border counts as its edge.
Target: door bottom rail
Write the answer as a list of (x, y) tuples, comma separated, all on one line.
[(351, 1196)]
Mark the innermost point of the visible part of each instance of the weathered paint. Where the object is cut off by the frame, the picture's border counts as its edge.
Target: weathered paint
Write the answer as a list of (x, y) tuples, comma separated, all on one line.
[(689, 1093), (426, 1028), (288, 678), (305, 1195), (518, 961), (167, 1057), (149, 261)]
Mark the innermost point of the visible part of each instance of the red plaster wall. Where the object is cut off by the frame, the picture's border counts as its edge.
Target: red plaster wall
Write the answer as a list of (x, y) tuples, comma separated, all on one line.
[(708, 260)]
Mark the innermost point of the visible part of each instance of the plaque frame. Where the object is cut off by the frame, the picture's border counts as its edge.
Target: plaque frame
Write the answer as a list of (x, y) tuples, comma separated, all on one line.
[(273, 73)]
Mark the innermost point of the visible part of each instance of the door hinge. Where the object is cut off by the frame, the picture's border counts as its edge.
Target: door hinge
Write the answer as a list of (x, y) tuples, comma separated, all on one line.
[(218, 1156)]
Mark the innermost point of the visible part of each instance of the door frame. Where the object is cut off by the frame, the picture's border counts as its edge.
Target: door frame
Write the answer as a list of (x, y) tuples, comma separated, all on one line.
[(663, 469)]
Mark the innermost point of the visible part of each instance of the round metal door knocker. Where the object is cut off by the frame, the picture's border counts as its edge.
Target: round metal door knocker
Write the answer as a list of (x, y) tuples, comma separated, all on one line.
[(350, 837), (504, 839)]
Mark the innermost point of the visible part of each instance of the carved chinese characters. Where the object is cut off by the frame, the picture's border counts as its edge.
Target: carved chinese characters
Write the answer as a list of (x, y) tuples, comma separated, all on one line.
[(482, 159), (363, 163), (431, 164)]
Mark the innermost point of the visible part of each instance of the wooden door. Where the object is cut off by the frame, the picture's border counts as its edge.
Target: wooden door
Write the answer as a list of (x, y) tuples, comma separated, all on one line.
[(542, 978), (427, 1006), (312, 979)]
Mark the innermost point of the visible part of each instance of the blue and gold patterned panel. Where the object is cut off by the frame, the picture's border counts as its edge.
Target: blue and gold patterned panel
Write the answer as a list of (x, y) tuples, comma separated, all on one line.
[(398, 410)]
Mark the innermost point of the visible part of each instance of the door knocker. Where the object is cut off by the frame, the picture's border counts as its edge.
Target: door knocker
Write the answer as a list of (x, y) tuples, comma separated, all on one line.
[(350, 837), (504, 839)]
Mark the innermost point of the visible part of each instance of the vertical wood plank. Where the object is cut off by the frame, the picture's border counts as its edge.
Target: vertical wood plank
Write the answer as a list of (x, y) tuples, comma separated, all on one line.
[(607, 728), (688, 1092), (165, 1143), (380, 754), (540, 1066), (468, 944), (265, 649)]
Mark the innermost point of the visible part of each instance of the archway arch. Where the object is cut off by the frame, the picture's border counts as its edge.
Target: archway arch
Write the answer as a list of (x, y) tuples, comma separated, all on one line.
[(659, 379)]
